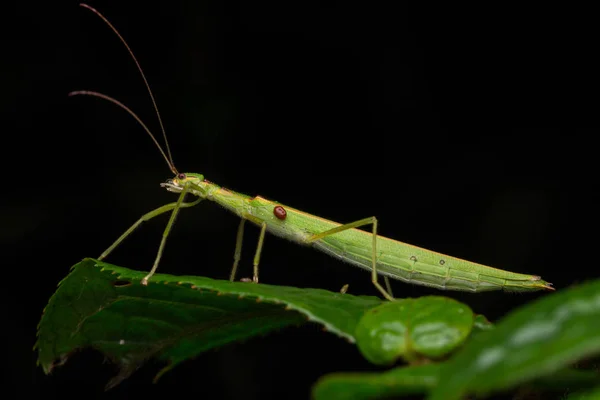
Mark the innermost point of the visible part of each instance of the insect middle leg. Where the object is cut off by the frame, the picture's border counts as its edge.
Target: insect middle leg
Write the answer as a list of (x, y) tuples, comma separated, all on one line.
[(366, 221), (238, 248)]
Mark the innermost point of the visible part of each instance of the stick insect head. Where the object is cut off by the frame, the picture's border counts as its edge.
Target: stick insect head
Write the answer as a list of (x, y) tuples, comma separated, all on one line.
[(178, 182)]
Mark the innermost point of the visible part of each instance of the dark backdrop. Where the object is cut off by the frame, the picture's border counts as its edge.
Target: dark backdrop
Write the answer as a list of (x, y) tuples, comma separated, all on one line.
[(470, 131)]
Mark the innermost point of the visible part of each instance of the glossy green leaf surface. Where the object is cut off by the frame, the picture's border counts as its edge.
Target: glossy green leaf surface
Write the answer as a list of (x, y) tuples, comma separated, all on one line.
[(412, 329), (175, 318), (533, 341)]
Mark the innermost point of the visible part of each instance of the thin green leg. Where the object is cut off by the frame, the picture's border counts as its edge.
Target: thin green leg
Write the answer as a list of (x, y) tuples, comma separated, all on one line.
[(388, 286), (144, 218), (238, 249), (261, 239), (356, 224), (166, 234)]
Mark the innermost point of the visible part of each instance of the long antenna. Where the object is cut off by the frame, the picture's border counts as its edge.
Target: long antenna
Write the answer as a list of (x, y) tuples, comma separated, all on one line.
[(138, 119), (162, 128)]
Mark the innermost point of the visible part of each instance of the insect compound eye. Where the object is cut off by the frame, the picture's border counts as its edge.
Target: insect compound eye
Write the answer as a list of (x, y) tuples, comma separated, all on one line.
[(280, 212), (181, 176)]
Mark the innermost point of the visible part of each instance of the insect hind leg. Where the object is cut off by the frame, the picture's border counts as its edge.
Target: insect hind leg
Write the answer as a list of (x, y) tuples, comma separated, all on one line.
[(362, 222)]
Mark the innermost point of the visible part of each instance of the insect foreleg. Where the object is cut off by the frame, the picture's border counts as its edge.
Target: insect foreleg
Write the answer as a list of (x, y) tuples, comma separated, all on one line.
[(163, 241), (144, 218)]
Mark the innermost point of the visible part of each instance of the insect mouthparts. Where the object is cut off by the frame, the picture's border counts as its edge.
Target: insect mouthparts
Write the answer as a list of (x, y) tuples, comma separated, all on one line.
[(169, 184)]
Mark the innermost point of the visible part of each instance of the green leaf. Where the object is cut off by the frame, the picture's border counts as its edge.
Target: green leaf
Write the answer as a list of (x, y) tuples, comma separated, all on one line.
[(590, 395), (175, 318), (421, 379), (400, 381), (571, 378), (481, 323), (413, 329), (533, 341)]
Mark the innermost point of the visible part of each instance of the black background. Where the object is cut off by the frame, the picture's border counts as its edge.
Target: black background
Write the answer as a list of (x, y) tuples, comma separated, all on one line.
[(470, 131)]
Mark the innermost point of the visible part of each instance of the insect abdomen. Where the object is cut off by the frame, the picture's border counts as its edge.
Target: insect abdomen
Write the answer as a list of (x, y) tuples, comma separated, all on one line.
[(428, 268)]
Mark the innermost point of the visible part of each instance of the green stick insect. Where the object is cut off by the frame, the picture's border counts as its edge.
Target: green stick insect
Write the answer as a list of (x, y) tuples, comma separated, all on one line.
[(380, 255)]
